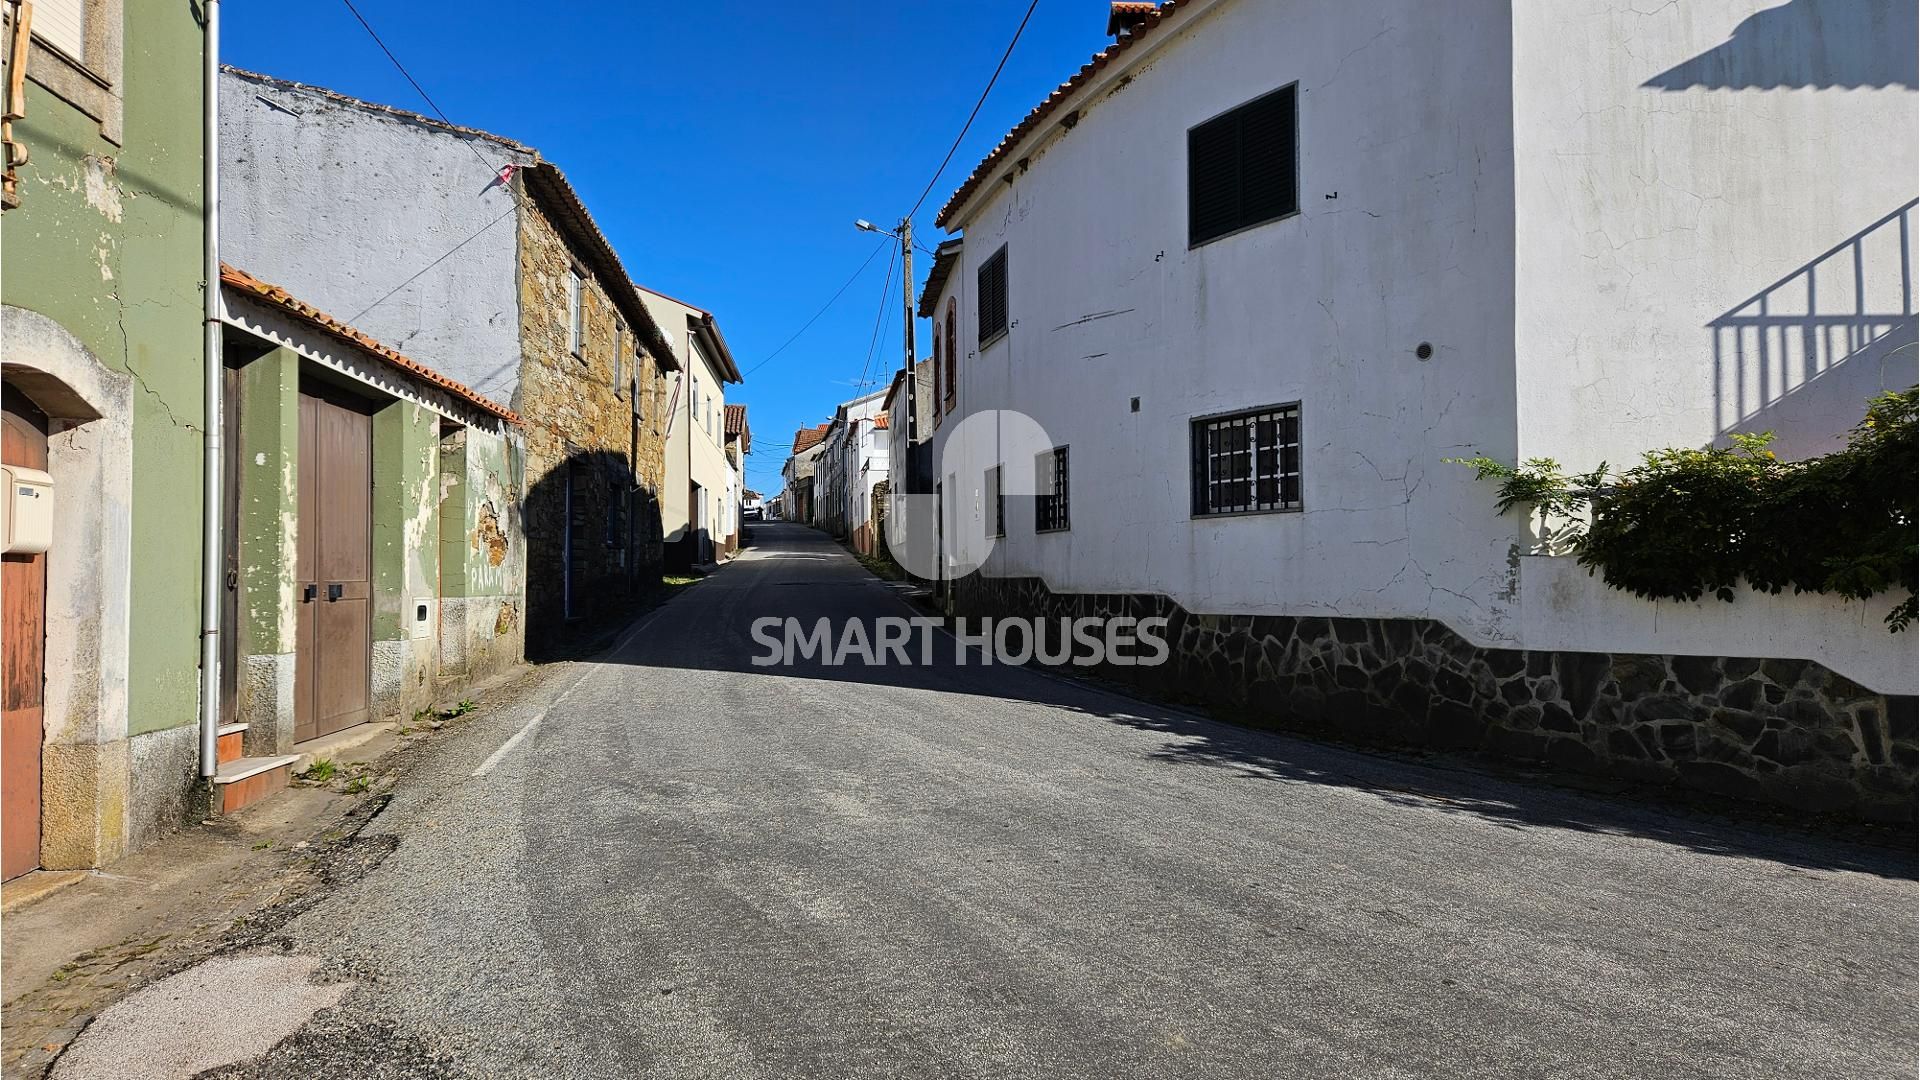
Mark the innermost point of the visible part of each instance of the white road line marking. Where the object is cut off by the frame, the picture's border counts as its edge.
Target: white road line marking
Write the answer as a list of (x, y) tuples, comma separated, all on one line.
[(514, 740), (506, 747)]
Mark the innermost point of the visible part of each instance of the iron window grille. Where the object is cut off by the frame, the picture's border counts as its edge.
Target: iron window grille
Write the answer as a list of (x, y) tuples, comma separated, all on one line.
[(1247, 462), (1243, 167), (993, 296), (1050, 504)]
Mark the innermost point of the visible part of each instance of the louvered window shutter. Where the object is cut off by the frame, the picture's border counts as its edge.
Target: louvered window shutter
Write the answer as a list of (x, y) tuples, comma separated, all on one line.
[(1243, 167)]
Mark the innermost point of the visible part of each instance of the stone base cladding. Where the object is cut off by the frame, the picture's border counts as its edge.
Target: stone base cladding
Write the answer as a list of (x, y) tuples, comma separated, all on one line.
[(1788, 732)]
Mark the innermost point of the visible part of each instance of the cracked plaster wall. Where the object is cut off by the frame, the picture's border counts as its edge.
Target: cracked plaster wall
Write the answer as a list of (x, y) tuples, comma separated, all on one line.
[(1595, 281), (106, 244), (349, 209), (1716, 200), (1327, 308), (1717, 206)]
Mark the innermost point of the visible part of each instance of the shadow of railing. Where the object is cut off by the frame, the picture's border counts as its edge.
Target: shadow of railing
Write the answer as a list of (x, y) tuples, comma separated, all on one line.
[(1813, 44), (1802, 357)]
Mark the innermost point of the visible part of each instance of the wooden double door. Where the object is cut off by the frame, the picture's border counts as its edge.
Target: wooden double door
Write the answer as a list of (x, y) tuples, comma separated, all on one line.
[(23, 655), (333, 666)]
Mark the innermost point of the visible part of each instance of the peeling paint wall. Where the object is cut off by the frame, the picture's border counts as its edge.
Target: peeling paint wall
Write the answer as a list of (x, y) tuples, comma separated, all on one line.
[(106, 244), (483, 553), (400, 229), (406, 557)]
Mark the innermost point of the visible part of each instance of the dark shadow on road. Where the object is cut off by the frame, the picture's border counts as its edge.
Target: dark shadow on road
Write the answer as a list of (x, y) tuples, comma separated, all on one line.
[(800, 573)]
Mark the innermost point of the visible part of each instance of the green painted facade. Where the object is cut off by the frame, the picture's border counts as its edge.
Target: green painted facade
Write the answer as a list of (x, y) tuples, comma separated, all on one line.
[(447, 552), (107, 242)]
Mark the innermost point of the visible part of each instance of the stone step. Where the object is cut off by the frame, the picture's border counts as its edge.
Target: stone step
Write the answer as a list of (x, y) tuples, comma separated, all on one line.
[(228, 743), (245, 781)]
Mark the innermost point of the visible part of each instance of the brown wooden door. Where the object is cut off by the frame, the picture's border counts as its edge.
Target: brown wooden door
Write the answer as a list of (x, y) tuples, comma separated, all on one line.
[(230, 594), (332, 684), (23, 595)]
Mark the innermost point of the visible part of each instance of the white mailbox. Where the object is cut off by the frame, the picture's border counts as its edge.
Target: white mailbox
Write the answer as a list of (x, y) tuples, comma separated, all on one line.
[(26, 513)]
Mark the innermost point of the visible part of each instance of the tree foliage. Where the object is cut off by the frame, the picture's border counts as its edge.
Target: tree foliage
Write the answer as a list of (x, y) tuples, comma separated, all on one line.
[(1683, 524)]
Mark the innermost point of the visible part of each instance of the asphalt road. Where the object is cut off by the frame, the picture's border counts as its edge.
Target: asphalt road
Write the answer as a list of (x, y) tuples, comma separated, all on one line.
[(692, 867)]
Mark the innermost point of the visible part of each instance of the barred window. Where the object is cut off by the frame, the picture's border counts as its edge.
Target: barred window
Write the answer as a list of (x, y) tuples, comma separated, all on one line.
[(996, 501), (1050, 482), (1247, 462)]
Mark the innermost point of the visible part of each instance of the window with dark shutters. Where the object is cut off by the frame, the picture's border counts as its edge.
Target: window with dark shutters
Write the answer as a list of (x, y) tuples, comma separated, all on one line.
[(993, 296), (1243, 167)]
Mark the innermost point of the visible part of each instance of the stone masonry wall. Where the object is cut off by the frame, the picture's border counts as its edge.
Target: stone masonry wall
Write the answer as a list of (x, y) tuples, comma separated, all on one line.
[(1781, 731), (579, 420)]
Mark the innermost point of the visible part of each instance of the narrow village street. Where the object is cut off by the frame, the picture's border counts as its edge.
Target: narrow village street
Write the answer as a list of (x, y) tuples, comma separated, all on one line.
[(692, 867)]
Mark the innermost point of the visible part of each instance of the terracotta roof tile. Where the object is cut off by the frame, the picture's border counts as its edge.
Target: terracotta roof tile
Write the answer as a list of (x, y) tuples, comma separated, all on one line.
[(1147, 21), (880, 422), (806, 439), (278, 297)]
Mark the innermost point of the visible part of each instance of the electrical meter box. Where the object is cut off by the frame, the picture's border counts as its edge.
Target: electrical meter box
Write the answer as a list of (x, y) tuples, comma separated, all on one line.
[(26, 511)]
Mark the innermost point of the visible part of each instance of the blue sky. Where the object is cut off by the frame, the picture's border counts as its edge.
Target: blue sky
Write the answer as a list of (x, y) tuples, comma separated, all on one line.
[(725, 148)]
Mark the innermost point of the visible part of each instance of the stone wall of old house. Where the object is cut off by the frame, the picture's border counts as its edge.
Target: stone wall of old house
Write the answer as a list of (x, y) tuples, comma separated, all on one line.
[(1782, 731), (584, 439)]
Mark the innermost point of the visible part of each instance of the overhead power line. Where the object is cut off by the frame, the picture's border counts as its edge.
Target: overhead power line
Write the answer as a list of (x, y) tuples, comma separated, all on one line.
[(823, 310), (408, 75), (968, 126), (886, 306)]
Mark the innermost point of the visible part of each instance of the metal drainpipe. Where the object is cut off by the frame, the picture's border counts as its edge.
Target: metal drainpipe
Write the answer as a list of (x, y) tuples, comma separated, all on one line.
[(212, 540)]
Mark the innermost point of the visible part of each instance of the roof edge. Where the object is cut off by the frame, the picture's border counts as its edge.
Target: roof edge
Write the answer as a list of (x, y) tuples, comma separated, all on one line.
[(278, 298), (1078, 81), (550, 188), (374, 106)]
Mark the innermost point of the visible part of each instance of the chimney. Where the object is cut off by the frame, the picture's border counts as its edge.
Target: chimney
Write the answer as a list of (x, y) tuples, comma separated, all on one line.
[(1124, 15)]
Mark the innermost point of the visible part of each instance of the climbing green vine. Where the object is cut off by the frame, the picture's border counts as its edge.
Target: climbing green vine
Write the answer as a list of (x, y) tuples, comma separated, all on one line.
[(1683, 524)]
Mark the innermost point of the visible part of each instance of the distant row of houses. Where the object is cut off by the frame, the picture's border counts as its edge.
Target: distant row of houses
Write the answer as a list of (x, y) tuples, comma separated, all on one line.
[(415, 421), (1252, 275)]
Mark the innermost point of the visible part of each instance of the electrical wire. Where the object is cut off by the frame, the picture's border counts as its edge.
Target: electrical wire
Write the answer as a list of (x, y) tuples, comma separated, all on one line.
[(968, 126), (816, 315), (886, 308), (408, 75)]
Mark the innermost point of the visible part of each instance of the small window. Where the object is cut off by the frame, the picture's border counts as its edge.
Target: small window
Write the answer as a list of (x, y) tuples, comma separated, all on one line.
[(1050, 483), (996, 501), (953, 358), (619, 356), (993, 296), (1247, 462), (576, 315), (63, 25), (937, 365), (1243, 167)]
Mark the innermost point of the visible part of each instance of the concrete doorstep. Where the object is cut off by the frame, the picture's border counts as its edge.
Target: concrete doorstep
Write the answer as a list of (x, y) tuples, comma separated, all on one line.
[(174, 922)]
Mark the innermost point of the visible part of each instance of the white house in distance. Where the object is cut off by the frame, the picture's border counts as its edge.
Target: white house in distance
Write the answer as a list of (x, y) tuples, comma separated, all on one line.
[(1259, 268), (700, 502), (853, 458)]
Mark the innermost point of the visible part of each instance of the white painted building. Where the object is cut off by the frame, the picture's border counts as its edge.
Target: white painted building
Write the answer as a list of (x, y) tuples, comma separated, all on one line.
[(700, 501), (854, 457), (1580, 230)]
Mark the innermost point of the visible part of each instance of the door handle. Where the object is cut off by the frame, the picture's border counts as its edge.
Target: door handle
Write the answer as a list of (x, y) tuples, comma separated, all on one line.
[(307, 594), (334, 590)]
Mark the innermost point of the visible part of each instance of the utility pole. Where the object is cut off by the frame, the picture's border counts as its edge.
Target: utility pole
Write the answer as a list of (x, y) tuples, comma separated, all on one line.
[(906, 287)]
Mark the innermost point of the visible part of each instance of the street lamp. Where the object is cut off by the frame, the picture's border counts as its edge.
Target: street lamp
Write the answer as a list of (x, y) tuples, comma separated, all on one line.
[(905, 236)]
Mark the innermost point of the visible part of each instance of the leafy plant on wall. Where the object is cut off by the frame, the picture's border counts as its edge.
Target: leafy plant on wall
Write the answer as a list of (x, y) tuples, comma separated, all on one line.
[(1683, 524)]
